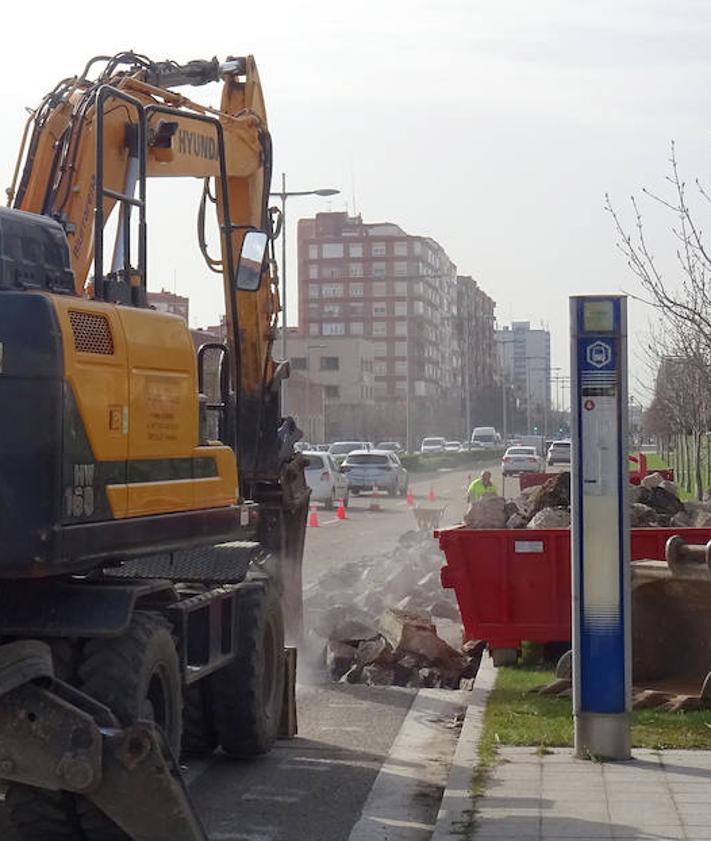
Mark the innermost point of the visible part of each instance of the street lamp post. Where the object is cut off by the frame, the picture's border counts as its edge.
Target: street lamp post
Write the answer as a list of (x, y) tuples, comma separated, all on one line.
[(284, 195)]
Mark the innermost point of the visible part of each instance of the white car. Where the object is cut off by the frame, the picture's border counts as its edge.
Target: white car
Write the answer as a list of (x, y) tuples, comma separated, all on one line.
[(432, 445), (326, 481), (521, 460), (453, 446)]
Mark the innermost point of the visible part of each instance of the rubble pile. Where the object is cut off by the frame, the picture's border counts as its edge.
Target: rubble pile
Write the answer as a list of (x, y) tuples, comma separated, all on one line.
[(653, 503), (386, 620)]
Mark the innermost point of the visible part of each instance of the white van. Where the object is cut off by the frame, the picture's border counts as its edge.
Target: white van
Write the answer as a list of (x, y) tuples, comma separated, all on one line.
[(485, 437)]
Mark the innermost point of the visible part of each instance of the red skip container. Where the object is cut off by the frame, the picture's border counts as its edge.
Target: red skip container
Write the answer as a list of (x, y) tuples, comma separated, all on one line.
[(514, 584)]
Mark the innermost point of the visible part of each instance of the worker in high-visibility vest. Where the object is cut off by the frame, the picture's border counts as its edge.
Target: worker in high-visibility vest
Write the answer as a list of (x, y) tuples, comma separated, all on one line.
[(481, 486)]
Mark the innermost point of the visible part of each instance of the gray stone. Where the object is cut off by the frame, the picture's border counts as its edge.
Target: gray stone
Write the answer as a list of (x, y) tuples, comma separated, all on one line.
[(516, 521), (642, 515), (371, 651), (339, 658), (551, 518), (487, 513), (376, 675), (653, 480)]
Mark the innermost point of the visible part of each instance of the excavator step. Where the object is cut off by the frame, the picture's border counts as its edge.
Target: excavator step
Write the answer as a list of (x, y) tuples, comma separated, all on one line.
[(226, 563)]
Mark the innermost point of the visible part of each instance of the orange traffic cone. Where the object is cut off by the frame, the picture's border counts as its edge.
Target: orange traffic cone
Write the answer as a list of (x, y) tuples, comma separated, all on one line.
[(375, 499), (341, 511), (431, 496), (410, 499), (313, 518)]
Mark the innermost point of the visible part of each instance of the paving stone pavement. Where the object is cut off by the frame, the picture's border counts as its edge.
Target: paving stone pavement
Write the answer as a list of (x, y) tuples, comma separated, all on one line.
[(657, 795)]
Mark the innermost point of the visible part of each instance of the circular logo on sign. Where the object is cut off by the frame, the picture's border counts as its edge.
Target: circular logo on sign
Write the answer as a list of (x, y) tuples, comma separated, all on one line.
[(589, 405)]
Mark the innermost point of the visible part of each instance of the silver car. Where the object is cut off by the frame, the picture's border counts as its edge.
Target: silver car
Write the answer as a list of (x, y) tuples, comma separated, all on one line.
[(521, 460), (367, 469)]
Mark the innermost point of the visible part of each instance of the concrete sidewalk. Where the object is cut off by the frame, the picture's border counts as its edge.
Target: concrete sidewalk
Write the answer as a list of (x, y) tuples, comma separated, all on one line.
[(551, 796), (658, 795)]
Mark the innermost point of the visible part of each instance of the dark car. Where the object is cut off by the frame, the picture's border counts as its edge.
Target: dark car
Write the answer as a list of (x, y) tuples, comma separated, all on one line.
[(367, 469)]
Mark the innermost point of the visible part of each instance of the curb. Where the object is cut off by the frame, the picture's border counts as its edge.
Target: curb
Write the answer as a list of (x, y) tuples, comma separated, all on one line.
[(455, 808)]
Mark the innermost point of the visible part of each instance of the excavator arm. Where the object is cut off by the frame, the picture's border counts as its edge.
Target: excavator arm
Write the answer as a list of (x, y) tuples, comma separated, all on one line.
[(106, 136)]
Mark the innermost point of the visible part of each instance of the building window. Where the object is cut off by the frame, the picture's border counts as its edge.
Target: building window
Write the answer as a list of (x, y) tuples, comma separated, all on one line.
[(380, 309), (401, 288), (420, 389), (314, 329), (332, 392), (401, 367), (356, 328), (313, 252), (313, 271), (400, 307), (378, 249), (400, 348), (379, 270), (299, 363), (314, 310), (355, 249), (332, 250), (332, 290), (314, 290), (380, 328), (380, 289), (400, 249), (380, 348), (356, 290), (416, 248), (329, 363), (355, 269), (401, 328), (356, 309), (334, 328), (400, 268), (331, 271), (418, 307), (331, 309), (380, 369)]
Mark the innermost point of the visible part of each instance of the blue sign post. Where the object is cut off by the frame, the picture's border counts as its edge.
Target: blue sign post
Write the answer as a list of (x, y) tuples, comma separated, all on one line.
[(600, 527)]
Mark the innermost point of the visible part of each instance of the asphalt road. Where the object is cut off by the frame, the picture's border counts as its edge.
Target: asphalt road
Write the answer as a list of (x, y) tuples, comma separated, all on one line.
[(315, 787)]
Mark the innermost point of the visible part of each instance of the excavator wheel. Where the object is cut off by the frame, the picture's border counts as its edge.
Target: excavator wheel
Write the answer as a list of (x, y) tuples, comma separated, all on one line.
[(137, 676), (248, 693), (199, 734)]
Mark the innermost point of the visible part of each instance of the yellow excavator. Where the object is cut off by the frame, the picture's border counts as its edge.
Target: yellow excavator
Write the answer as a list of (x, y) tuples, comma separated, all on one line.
[(152, 508)]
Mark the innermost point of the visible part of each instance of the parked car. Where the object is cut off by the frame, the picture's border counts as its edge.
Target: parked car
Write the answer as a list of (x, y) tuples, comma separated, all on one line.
[(521, 460), (392, 446), (367, 468), (487, 436), (452, 446), (559, 452), (432, 445), (325, 479), (340, 449)]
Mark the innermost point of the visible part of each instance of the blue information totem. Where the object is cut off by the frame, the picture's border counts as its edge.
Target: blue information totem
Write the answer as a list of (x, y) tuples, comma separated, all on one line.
[(600, 527)]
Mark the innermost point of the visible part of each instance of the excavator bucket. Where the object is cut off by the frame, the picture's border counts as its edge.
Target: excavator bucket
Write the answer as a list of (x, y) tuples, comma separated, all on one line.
[(671, 627)]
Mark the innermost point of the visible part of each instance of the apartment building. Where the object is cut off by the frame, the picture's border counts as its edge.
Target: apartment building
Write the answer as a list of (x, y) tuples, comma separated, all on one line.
[(375, 281), (525, 359)]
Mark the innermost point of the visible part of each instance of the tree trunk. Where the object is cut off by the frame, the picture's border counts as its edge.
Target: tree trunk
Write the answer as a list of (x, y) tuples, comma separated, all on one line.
[(698, 439)]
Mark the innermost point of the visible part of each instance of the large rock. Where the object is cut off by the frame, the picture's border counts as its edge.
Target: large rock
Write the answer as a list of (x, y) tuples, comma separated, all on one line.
[(551, 518), (664, 502), (642, 516), (652, 480), (409, 634), (339, 658), (517, 521), (378, 650), (638, 493), (489, 512), (553, 493), (344, 623)]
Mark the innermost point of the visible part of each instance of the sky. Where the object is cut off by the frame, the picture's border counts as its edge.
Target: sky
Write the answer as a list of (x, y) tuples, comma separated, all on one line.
[(495, 128)]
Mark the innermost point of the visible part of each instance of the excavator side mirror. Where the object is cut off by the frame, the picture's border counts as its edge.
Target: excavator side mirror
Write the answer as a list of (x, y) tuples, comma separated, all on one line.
[(251, 261)]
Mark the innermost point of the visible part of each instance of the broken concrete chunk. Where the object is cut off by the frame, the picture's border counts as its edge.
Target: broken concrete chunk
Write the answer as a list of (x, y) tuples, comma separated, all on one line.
[(652, 480), (370, 651), (553, 493), (551, 518), (516, 521), (489, 512), (376, 675), (339, 658), (642, 515), (664, 502)]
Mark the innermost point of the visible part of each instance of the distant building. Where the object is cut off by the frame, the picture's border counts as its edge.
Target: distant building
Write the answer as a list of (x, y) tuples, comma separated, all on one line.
[(376, 282), (477, 349), (170, 302), (525, 361)]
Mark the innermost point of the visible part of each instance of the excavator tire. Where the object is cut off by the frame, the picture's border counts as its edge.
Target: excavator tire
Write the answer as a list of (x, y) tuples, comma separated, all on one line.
[(136, 675), (199, 734), (248, 693), (38, 814)]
